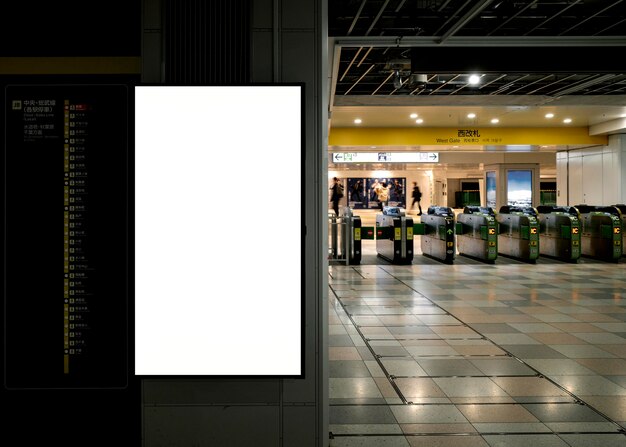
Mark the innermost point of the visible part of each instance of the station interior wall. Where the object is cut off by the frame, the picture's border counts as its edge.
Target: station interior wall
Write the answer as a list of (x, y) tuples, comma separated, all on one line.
[(593, 176)]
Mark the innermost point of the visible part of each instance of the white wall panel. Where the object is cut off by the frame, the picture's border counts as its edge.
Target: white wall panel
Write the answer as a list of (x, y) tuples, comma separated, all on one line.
[(575, 179)]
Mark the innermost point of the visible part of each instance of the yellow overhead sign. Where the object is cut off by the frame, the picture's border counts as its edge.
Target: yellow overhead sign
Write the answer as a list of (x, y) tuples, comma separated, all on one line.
[(459, 136)]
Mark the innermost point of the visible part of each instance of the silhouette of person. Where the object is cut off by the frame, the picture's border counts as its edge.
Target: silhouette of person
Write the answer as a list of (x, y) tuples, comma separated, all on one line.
[(417, 197), (336, 195)]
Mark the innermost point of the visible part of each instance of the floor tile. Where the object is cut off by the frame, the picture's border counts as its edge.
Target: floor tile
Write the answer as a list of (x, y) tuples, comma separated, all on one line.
[(528, 386), (364, 429), (497, 413), (599, 440), (582, 351), (448, 367), (427, 414), (565, 412), (446, 441), (469, 387), (343, 353), (353, 387), (347, 368), (418, 387), (369, 441), (546, 440), (503, 367), (361, 414), (403, 368)]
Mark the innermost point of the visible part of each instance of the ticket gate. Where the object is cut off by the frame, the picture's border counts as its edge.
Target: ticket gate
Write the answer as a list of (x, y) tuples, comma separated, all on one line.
[(559, 232), (476, 233), (601, 232), (394, 235), (518, 233), (622, 208), (438, 239), (345, 237)]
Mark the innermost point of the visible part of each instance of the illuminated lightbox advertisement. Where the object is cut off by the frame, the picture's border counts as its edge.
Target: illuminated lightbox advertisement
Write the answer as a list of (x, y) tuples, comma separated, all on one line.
[(491, 189), (519, 185), (218, 230)]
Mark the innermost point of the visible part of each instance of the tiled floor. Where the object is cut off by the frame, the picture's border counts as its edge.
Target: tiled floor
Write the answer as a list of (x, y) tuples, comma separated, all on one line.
[(472, 354)]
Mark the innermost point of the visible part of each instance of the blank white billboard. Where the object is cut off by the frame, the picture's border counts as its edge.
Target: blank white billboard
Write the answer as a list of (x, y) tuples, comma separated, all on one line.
[(218, 230)]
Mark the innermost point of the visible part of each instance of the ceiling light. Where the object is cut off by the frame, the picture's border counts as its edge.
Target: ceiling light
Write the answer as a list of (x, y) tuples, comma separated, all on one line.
[(495, 120), (567, 120), (419, 121), (549, 115), (471, 115), (358, 121), (474, 79), (413, 115)]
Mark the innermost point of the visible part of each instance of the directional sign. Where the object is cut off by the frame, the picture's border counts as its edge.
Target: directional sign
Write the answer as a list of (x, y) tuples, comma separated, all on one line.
[(574, 230), (386, 157), (616, 230), (533, 230), (492, 231)]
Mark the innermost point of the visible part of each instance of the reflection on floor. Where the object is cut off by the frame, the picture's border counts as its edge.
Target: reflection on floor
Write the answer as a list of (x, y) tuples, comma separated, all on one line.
[(471, 354)]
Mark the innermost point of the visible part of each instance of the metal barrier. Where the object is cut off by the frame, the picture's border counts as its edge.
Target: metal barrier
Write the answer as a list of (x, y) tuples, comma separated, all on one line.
[(559, 232), (518, 233), (394, 235), (476, 233), (345, 237), (601, 232), (438, 239)]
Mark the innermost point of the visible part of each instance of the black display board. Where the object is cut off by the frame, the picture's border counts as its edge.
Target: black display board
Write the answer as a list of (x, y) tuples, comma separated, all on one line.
[(66, 252)]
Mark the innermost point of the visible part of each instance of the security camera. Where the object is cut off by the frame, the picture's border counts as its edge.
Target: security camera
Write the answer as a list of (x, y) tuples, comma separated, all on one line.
[(418, 80)]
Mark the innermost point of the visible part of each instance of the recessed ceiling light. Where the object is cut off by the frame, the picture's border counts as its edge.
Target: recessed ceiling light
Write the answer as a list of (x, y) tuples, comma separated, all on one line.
[(549, 115), (413, 115), (419, 121), (471, 115), (567, 120), (474, 79), (495, 120), (358, 121)]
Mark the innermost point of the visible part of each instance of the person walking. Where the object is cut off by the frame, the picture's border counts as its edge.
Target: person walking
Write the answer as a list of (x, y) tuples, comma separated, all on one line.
[(336, 195), (417, 197)]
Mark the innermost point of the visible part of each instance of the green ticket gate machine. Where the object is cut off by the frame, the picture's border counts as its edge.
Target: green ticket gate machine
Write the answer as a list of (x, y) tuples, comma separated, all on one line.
[(437, 242), (559, 232), (518, 233), (622, 209), (477, 233), (601, 232), (394, 235)]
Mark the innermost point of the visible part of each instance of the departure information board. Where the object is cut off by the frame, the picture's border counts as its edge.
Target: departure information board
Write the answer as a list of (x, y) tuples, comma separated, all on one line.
[(66, 252)]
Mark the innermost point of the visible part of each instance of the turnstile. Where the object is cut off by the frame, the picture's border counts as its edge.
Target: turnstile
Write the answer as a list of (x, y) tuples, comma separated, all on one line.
[(394, 235), (438, 239), (345, 237), (476, 233), (518, 233), (601, 232), (559, 232), (622, 208)]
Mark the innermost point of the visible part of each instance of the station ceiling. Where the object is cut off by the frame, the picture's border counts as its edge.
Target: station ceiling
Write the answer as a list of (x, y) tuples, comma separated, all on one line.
[(393, 58)]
